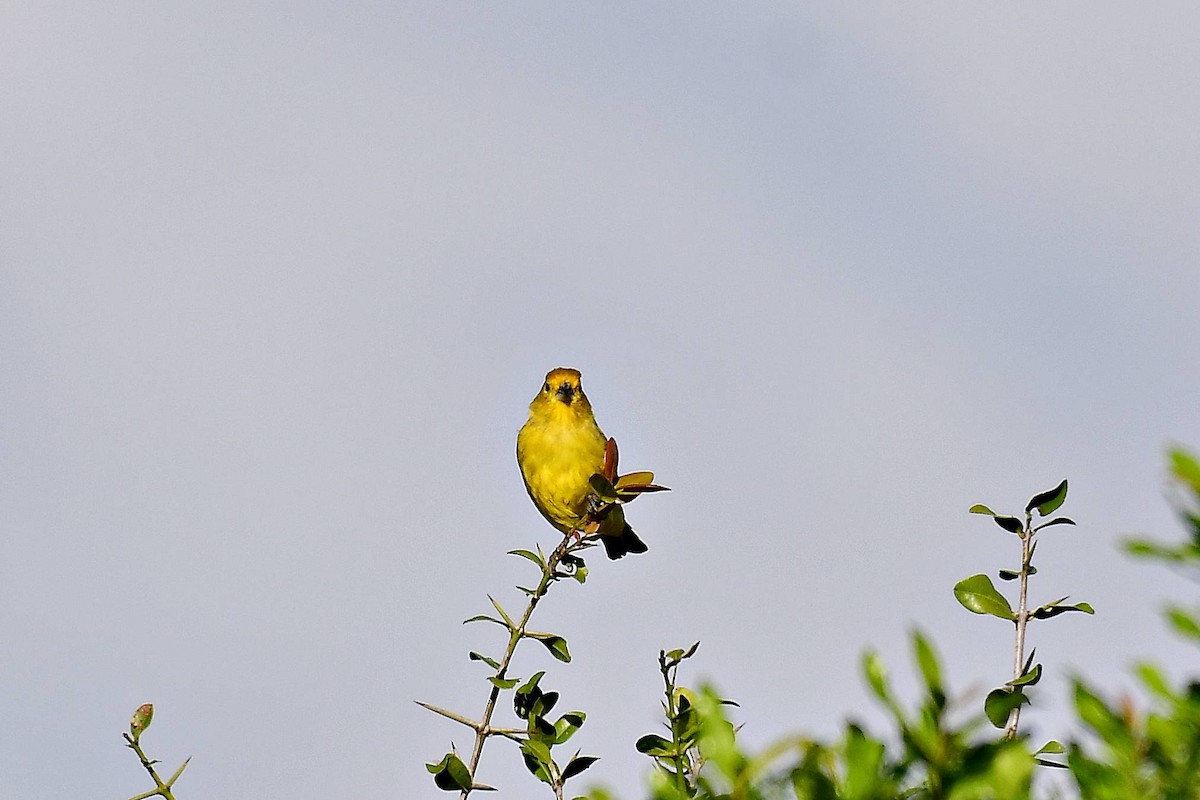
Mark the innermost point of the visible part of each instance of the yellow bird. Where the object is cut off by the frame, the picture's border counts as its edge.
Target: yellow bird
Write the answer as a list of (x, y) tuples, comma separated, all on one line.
[(558, 449)]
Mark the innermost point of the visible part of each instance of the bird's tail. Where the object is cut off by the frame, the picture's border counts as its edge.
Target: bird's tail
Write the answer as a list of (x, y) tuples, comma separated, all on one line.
[(628, 542)]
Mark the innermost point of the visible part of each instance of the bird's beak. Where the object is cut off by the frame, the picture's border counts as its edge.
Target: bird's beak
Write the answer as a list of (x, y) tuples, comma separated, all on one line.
[(566, 393)]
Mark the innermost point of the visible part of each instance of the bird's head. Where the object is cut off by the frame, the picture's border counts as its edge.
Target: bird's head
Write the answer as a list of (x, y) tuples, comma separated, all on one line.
[(562, 388)]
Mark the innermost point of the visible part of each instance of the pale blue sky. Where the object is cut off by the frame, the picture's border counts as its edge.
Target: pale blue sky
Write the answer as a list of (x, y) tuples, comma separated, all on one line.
[(278, 282)]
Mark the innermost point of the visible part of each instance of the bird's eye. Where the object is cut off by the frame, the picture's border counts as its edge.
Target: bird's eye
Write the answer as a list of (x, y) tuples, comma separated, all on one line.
[(546, 388)]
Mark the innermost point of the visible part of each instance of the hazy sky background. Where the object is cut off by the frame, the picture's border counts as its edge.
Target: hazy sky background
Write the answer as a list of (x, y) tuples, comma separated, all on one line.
[(278, 282)]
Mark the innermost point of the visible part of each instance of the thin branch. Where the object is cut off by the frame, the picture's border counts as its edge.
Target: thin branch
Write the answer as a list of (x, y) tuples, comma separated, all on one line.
[(1022, 621), (162, 789), (483, 728)]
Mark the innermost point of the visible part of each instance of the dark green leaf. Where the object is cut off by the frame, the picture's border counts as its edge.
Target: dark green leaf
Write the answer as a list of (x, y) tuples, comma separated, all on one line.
[(527, 695), (1009, 575), (1056, 521), (557, 645), (542, 729), (613, 523), (978, 595), (504, 683), (653, 745), (1051, 610), (577, 765), (491, 662), (484, 618), (1048, 502), (545, 704), (1000, 703), (1029, 661), (1030, 678), (979, 508), (450, 774), (1010, 524), (603, 489), (537, 759)]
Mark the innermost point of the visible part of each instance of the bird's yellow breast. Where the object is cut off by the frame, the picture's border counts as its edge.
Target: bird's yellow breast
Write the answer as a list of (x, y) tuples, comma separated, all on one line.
[(558, 451)]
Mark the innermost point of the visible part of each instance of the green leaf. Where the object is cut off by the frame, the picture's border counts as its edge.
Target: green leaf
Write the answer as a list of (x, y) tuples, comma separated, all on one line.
[(450, 774), (876, 675), (577, 765), (1000, 703), (504, 683), (927, 662), (653, 745), (1096, 714), (1184, 623), (541, 728), (864, 757), (1154, 680), (979, 596), (979, 508), (539, 750), (557, 645), (613, 523), (491, 662), (1029, 661), (1009, 575), (1048, 502), (1185, 467), (537, 759), (1010, 524), (1050, 747), (603, 489), (1051, 610), (567, 724), (484, 618), (527, 695), (1055, 521), (529, 554), (1030, 678)]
